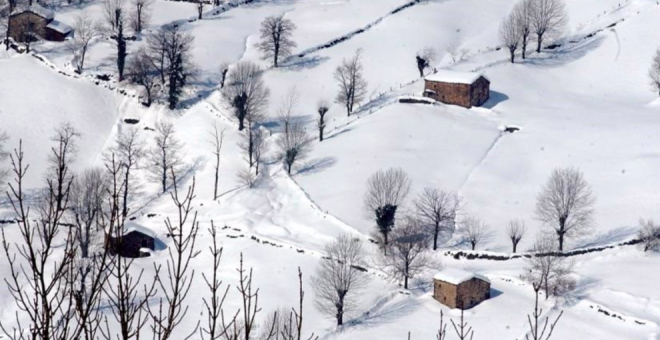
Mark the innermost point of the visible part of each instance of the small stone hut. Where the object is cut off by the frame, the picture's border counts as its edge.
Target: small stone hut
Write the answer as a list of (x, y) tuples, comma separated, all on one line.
[(461, 289), (466, 89), (34, 21), (136, 241)]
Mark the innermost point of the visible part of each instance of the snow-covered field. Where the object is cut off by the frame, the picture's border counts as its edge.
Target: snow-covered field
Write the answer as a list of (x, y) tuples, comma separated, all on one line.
[(585, 104)]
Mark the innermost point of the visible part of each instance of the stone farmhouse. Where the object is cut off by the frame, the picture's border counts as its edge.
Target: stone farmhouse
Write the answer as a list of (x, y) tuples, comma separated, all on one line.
[(466, 89), (461, 289), (34, 22), (136, 241)]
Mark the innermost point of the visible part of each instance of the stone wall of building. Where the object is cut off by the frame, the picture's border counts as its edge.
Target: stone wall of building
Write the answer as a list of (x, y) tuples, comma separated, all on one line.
[(23, 24), (480, 91), (448, 93), (471, 293)]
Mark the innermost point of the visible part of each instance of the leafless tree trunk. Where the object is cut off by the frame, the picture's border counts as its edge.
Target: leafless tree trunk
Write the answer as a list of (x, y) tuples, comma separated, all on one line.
[(224, 69), (549, 17), (654, 72), (260, 146), (515, 232), (129, 150), (141, 71), (294, 145), (200, 8), (247, 177), (352, 85), (218, 137), (165, 157), (85, 31), (113, 13), (386, 191), (523, 13), (338, 279), (88, 193), (649, 234), (287, 107), (510, 34), (176, 286), (537, 327), (424, 58), (59, 176), (565, 204), (322, 108), (246, 94), (463, 330), (476, 231), (38, 265), (141, 14), (276, 42), (408, 255), (437, 209), (214, 304)]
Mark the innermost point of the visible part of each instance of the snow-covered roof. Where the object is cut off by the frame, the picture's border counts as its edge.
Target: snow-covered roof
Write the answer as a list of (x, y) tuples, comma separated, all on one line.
[(457, 276), (59, 27), (130, 227), (36, 9), (454, 77)]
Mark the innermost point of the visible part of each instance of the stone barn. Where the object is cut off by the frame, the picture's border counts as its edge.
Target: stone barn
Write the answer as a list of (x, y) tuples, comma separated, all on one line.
[(466, 89), (136, 241), (458, 288), (33, 22)]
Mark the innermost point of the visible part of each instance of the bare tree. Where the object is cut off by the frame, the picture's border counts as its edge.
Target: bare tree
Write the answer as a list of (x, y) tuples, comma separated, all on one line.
[(224, 68), (515, 232), (523, 13), (654, 72), (164, 158), (456, 52), (322, 108), (339, 278), (475, 230), (386, 191), (247, 177), (424, 58), (176, 286), (200, 8), (86, 30), (88, 192), (649, 235), (245, 93), (115, 16), (59, 175), (565, 204), (253, 144), (218, 137), (113, 13), (549, 17), (288, 106), (437, 209), (510, 34), (294, 145), (462, 329), (352, 85), (141, 71), (551, 272), (140, 15), (37, 277), (129, 150), (408, 253), (213, 305), (537, 327), (260, 147), (276, 38)]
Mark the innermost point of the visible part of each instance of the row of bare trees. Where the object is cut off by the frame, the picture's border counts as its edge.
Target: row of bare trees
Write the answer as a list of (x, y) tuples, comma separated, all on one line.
[(543, 18)]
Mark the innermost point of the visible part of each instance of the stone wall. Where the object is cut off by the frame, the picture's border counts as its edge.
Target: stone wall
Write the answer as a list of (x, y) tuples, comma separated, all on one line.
[(445, 293), (448, 93)]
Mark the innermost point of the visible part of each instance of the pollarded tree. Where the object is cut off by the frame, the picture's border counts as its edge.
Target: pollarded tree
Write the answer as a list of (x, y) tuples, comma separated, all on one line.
[(475, 230), (549, 17), (294, 145), (245, 92), (424, 58), (339, 278), (654, 72), (276, 42), (515, 232), (510, 34), (386, 191), (565, 204), (164, 158), (437, 209), (322, 108), (352, 85)]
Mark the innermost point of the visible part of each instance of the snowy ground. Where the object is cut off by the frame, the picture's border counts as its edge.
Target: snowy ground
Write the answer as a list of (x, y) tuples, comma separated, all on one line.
[(585, 104)]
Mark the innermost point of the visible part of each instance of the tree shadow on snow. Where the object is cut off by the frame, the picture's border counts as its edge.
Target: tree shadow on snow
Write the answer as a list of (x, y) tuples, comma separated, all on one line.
[(581, 291), (384, 313), (612, 236), (317, 165), (567, 53), (304, 63)]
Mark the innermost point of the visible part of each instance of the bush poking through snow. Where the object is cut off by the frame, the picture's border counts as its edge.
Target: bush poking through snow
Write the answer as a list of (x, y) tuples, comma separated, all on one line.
[(649, 235)]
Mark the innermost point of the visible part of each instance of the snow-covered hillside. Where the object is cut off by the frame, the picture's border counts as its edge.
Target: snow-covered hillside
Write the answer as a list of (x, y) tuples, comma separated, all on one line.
[(584, 104)]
